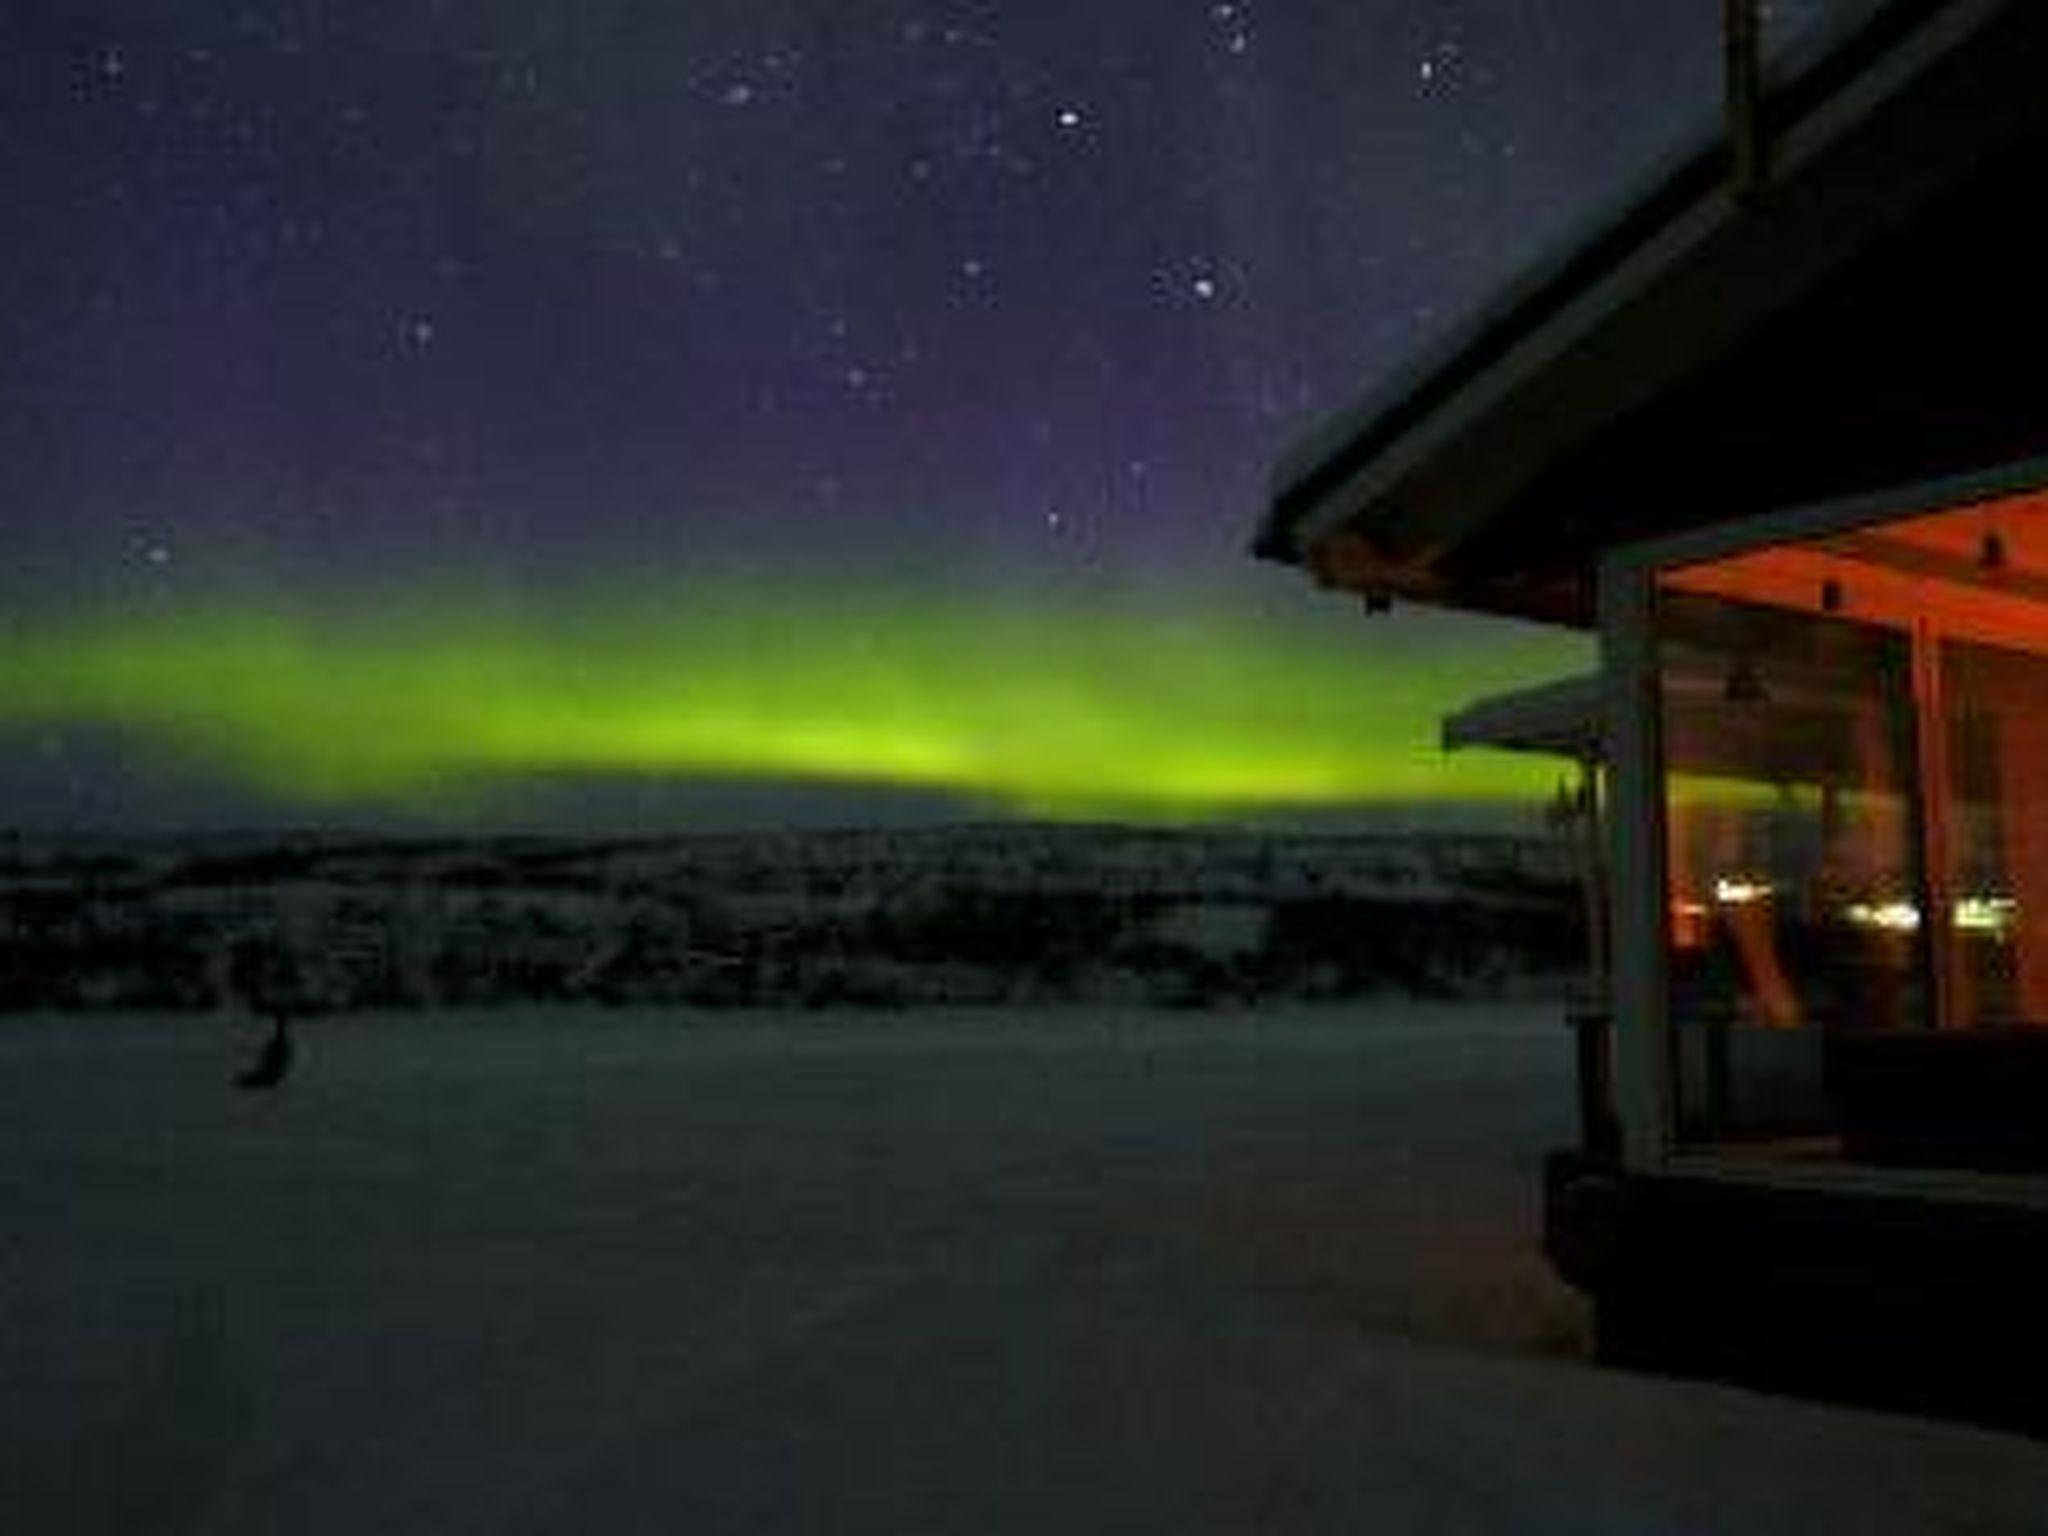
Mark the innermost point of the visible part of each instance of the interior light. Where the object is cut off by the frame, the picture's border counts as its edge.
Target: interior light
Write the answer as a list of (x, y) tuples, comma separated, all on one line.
[(1892, 916), (1738, 891), (1986, 914)]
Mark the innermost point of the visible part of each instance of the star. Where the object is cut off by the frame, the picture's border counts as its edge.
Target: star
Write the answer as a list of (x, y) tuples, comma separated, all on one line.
[(1205, 288), (1068, 118)]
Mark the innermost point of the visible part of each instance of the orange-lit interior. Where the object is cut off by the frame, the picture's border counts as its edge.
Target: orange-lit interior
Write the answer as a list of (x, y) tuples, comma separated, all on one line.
[(1856, 740)]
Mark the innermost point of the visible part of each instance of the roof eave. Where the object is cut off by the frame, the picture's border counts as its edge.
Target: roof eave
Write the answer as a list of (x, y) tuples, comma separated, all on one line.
[(1637, 316)]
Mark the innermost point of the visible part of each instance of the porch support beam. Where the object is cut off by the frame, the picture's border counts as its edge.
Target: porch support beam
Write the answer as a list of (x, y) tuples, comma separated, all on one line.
[(1639, 1000)]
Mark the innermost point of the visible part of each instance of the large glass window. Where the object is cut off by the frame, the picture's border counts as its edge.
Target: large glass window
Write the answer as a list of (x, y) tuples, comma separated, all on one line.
[(1855, 754), (1795, 892)]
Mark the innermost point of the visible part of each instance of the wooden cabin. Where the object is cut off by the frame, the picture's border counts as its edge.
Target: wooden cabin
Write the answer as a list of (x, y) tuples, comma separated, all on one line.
[(1779, 437)]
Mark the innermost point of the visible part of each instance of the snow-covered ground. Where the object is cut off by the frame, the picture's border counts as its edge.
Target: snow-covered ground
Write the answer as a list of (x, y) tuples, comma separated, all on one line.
[(1008, 1271)]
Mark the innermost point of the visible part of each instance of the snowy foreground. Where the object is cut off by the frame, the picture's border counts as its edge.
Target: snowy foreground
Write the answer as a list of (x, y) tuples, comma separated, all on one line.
[(946, 1273)]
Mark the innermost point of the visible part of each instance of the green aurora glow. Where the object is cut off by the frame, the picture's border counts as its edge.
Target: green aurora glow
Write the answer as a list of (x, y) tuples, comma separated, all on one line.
[(1069, 712)]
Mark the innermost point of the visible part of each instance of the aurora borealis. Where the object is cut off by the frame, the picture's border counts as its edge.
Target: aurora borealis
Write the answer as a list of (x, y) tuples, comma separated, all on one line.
[(1012, 706), (405, 408)]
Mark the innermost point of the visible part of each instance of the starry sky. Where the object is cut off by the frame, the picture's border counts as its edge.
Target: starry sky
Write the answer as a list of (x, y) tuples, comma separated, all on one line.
[(409, 407)]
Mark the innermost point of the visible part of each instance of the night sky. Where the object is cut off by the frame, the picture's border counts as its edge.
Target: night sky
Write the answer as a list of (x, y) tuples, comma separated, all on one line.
[(701, 407)]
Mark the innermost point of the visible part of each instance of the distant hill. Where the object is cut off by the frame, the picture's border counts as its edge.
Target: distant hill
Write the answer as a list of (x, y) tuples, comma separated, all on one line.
[(1000, 913)]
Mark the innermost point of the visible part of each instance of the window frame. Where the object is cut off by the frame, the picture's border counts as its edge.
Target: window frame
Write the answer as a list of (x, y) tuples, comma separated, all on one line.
[(1628, 580)]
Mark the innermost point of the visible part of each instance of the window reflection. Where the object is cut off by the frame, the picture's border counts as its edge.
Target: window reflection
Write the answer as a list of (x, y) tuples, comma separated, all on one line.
[(1855, 742), (1791, 853), (1996, 709)]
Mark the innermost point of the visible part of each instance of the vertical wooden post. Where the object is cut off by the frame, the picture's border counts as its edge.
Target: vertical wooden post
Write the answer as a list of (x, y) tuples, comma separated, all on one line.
[(1592, 1016), (1640, 902), (2023, 829), (1951, 1005)]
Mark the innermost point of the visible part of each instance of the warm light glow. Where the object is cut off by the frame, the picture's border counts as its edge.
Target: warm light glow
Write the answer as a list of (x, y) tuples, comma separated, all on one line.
[(1738, 891), (1081, 711), (1892, 916), (1689, 924), (1948, 568), (1986, 914)]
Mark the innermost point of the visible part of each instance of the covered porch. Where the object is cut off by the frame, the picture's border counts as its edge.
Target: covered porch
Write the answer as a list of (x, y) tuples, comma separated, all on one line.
[(1781, 441), (1820, 743)]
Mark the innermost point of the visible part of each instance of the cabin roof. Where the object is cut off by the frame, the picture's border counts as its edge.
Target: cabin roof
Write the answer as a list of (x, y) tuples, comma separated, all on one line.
[(1565, 718), (1869, 316)]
